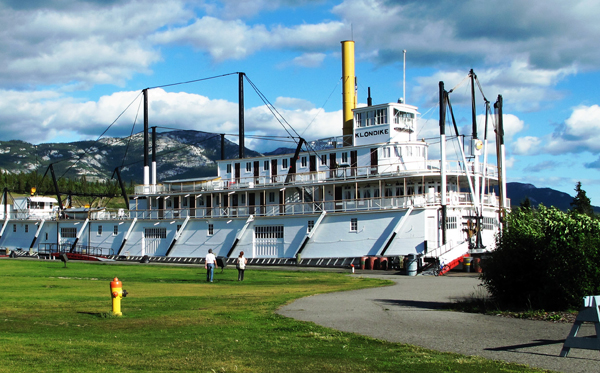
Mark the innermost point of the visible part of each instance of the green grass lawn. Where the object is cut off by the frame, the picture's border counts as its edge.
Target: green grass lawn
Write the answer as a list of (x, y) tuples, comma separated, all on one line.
[(56, 319)]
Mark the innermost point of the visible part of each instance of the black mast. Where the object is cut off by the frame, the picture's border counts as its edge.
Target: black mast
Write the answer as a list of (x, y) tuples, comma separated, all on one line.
[(241, 112)]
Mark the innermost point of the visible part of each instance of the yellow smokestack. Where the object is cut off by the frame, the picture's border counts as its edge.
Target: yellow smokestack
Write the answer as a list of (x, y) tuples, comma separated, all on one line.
[(349, 95)]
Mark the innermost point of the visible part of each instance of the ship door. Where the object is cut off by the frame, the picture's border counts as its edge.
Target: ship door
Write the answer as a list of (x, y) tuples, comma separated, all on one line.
[(338, 198), (268, 241), (208, 206), (332, 165), (161, 208), (374, 161), (236, 175), (176, 206), (152, 239), (234, 204), (273, 170), (353, 162), (251, 202), (312, 163), (432, 232), (256, 170)]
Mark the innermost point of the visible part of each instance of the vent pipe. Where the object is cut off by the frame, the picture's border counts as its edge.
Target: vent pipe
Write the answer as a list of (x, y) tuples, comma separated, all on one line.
[(154, 155), (369, 99)]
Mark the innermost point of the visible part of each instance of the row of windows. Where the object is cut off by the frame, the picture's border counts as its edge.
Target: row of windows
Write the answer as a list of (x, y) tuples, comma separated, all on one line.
[(451, 222), (386, 152)]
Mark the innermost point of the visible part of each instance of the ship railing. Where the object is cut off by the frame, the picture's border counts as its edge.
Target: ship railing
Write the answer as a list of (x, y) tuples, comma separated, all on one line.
[(343, 172), (49, 248), (316, 207)]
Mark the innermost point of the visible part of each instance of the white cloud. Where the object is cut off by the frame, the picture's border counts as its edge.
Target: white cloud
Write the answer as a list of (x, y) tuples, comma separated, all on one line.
[(579, 133), (527, 145), (309, 60)]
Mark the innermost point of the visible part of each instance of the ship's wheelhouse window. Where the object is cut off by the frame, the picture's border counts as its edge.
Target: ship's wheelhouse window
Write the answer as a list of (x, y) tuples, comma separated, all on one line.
[(409, 151), (284, 163), (353, 224), (381, 116), (345, 157), (303, 159), (211, 230), (229, 168), (358, 120), (398, 151), (402, 117), (99, 230), (369, 118), (248, 166), (266, 165)]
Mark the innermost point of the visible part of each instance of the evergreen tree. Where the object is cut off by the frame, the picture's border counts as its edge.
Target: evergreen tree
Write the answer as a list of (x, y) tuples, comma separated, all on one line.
[(581, 203)]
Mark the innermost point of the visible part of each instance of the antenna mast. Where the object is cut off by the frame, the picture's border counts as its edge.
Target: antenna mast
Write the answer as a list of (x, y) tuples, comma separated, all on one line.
[(404, 79)]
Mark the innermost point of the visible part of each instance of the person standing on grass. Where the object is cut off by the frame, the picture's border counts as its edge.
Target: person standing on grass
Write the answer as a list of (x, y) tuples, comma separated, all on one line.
[(210, 265), (241, 266)]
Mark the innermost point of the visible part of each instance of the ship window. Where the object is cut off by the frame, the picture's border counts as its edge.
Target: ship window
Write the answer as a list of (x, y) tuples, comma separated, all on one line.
[(369, 120), (229, 168), (243, 199), (353, 224), (311, 225), (367, 193), (376, 193), (68, 232), (399, 191), (200, 202), (26, 228), (398, 150), (248, 166), (409, 151), (115, 230), (185, 202), (211, 230), (155, 233), (386, 152), (99, 230), (381, 116), (169, 203), (268, 231), (46, 236), (266, 165), (324, 160), (14, 227), (358, 120), (451, 222), (271, 196), (345, 157), (388, 192), (303, 161), (284, 163)]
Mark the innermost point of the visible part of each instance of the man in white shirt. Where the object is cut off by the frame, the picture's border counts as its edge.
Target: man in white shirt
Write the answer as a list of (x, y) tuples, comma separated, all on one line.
[(210, 265)]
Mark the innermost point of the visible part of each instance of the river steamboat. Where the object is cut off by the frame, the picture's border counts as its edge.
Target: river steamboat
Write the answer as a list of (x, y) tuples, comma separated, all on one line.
[(371, 192)]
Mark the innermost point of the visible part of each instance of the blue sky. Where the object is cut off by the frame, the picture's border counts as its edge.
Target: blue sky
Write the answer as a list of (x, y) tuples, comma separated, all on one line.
[(71, 67)]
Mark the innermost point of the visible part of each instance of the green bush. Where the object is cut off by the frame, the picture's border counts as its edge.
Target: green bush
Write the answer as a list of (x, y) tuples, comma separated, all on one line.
[(545, 259)]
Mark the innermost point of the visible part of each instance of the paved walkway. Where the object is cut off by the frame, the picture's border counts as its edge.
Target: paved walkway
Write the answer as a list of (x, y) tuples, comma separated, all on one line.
[(411, 312)]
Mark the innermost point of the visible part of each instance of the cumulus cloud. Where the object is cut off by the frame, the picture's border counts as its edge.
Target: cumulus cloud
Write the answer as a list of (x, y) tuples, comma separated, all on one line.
[(579, 133), (86, 42), (527, 145)]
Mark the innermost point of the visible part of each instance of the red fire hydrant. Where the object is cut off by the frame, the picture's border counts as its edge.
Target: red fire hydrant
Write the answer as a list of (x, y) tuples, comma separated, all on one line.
[(117, 293)]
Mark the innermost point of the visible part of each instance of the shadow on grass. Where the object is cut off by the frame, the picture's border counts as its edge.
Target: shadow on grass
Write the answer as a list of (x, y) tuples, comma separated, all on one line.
[(100, 315)]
